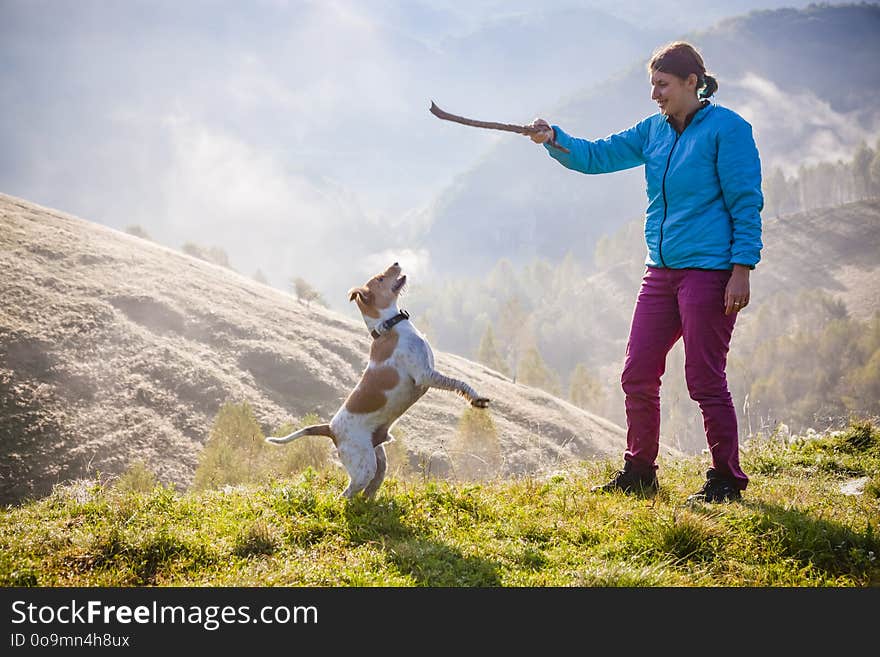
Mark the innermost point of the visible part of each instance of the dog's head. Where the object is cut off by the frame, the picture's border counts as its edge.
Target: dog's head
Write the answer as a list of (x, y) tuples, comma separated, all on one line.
[(379, 292)]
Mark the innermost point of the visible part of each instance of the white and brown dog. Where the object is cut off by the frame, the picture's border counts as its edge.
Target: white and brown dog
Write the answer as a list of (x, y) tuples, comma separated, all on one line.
[(400, 371)]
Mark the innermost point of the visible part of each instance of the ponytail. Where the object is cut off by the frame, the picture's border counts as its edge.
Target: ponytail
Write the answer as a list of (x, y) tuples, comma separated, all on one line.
[(710, 86)]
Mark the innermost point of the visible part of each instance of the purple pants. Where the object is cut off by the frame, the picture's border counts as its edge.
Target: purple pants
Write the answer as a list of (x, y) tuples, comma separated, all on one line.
[(674, 303)]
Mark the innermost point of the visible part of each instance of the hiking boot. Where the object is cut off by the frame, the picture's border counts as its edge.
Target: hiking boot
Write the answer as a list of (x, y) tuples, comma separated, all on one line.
[(627, 481), (716, 489)]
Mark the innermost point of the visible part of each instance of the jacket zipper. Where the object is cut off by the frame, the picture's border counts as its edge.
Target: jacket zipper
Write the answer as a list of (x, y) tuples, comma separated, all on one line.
[(665, 204)]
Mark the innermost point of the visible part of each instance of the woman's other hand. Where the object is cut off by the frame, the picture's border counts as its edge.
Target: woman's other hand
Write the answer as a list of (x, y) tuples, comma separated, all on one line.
[(736, 296)]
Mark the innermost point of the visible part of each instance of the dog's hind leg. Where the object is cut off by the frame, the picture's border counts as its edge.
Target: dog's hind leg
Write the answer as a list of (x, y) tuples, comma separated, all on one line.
[(359, 458), (381, 467)]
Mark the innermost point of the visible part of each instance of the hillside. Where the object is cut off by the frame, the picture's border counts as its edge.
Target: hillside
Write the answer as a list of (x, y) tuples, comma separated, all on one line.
[(806, 80), (807, 519), (113, 348), (832, 250), (836, 250)]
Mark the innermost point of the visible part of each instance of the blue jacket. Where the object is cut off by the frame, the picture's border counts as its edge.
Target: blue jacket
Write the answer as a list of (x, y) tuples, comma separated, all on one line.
[(703, 185)]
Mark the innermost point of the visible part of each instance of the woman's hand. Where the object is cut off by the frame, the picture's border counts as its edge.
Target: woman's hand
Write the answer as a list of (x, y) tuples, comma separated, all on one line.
[(736, 295), (545, 134)]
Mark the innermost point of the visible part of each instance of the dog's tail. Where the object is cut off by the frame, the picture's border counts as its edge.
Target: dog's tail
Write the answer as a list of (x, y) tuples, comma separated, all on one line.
[(313, 430)]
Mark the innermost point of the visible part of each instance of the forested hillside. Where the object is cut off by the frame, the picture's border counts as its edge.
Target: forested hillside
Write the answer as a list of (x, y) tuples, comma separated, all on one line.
[(805, 352)]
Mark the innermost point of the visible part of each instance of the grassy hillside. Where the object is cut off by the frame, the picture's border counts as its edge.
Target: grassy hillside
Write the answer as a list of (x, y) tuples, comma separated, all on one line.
[(115, 349), (809, 518)]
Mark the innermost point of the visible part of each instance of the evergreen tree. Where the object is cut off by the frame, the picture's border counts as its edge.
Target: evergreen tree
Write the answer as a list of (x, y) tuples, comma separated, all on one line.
[(533, 371), (512, 331), (775, 191), (602, 252), (861, 171), (218, 256), (502, 278), (488, 352), (567, 274), (874, 172), (585, 391)]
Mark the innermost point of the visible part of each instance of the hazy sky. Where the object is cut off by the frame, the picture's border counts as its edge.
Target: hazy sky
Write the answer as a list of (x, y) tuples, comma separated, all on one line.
[(293, 134)]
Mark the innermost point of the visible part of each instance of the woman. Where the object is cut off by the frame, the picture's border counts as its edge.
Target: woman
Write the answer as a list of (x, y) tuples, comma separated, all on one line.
[(703, 233)]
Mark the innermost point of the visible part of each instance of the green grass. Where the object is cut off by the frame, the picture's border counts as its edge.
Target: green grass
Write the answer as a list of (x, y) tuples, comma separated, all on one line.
[(794, 527)]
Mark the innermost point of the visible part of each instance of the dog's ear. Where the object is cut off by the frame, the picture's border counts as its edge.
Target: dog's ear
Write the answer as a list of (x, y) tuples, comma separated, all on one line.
[(365, 294)]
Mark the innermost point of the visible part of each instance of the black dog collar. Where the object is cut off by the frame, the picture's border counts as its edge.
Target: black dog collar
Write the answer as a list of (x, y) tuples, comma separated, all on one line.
[(385, 326)]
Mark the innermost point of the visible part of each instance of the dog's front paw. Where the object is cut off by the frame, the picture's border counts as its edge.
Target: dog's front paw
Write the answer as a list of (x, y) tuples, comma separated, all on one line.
[(480, 402)]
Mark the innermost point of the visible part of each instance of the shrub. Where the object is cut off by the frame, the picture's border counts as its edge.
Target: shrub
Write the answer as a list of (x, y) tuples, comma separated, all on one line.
[(137, 231), (306, 293), (233, 451), (194, 250), (256, 539), (475, 450), (397, 454), (872, 488), (860, 436), (237, 453), (138, 478), (314, 452)]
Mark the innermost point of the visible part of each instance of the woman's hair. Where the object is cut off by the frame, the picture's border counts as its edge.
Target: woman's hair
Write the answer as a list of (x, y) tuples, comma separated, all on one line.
[(681, 59)]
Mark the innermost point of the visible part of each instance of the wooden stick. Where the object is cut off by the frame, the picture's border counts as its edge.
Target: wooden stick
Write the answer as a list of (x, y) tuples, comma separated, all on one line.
[(491, 125)]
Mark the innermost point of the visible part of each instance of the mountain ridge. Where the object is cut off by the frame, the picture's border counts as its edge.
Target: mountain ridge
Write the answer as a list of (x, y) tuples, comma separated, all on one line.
[(808, 94)]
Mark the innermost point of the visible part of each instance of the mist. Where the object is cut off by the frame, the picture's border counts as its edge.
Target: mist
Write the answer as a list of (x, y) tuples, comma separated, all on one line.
[(295, 136)]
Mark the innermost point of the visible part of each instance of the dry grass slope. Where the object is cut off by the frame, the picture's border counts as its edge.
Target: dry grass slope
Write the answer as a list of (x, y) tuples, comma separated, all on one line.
[(114, 349)]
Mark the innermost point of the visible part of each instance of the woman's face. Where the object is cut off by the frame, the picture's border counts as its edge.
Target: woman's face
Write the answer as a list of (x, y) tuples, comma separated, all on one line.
[(672, 94)]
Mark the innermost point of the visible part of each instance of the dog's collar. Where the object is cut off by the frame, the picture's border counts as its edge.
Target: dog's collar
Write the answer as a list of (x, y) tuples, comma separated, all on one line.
[(385, 326)]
